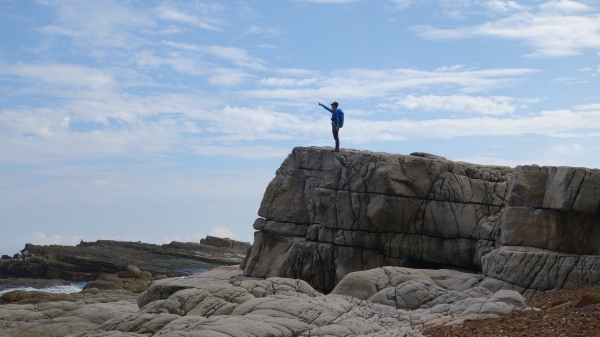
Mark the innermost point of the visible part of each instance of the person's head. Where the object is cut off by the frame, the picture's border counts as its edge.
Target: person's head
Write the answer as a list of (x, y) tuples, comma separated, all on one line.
[(334, 105)]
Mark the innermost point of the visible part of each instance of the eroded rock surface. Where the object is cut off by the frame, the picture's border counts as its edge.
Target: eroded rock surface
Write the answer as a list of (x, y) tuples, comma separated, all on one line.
[(220, 303), (327, 214), (58, 315)]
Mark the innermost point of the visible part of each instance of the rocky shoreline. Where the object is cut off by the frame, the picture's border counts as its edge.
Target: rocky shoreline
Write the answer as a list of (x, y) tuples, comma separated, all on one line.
[(88, 260), (351, 244)]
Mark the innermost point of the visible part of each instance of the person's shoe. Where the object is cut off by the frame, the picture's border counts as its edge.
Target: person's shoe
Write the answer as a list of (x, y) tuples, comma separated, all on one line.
[(336, 150)]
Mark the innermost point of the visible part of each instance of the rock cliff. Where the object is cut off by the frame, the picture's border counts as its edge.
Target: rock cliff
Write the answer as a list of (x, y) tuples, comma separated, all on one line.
[(327, 214)]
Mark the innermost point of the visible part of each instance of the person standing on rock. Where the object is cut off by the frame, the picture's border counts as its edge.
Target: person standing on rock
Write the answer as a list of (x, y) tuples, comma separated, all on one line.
[(337, 121)]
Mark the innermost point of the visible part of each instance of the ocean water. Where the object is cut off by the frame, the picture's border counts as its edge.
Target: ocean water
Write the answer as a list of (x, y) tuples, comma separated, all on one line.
[(74, 287)]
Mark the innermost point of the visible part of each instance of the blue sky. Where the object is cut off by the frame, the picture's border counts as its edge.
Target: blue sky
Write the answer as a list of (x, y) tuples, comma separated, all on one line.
[(165, 120)]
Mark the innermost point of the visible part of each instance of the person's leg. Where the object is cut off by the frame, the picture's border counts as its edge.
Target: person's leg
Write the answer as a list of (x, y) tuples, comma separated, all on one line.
[(337, 139)]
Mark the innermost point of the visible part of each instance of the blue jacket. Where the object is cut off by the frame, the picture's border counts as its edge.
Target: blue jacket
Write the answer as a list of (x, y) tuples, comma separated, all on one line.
[(335, 116)]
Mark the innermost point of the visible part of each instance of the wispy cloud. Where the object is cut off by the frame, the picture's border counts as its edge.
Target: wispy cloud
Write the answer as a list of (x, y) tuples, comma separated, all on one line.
[(238, 56), (367, 83), (96, 25), (554, 29), (595, 106), (560, 123), (268, 31), (167, 12), (39, 238), (496, 105), (329, 1), (61, 74), (502, 6), (401, 4)]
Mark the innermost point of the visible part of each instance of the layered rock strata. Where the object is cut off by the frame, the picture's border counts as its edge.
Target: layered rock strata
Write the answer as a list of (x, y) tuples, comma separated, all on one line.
[(326, 214), (88, 260), (225, 243)]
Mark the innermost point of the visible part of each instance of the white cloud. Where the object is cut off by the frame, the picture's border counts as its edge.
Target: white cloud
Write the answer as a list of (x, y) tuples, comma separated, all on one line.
[(588, 107), (223, 232), (503, 6), (184, 65), (401, 4), (179, 238), (359, 84), (497, 105), (330, 1), (288, 82), (61, 74), (227, 77), (557, 28), (564, 6), (263, 31), (170, 13), (206, 8), (39, 238), (559, 123), (236, 55), (98, 24)]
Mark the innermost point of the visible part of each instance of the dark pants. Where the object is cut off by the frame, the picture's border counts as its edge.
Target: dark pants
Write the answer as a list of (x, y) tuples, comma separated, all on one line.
[(335, 136)]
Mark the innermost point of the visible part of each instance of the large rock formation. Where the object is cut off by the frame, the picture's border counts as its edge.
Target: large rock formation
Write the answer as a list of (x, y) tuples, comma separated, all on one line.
[(88, 260), (327, 214)]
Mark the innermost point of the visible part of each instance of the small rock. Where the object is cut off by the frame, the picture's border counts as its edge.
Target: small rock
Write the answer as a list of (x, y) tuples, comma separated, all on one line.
[(587, 309), (528, 322)]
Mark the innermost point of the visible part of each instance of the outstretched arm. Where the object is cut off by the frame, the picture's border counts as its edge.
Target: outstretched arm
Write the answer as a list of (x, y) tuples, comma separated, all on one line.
[(326, 108)]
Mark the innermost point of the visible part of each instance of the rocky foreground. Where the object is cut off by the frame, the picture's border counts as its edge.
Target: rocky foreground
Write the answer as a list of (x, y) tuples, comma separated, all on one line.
[(223, 303), (87, 261)]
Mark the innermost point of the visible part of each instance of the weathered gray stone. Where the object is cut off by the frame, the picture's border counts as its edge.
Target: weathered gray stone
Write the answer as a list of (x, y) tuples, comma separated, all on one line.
[(58, 315), (561, 188), (538, 270), (327, 214), (208, 306)]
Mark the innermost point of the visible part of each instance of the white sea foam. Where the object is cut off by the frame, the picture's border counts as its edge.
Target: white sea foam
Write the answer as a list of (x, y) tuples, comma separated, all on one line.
[(75, 287)]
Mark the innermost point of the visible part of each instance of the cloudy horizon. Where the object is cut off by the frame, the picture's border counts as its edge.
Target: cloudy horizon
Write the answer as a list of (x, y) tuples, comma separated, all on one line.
[(165, 120)]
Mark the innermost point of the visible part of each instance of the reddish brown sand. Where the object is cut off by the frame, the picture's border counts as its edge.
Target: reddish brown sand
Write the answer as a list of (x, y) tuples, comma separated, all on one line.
[(563, 313)]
